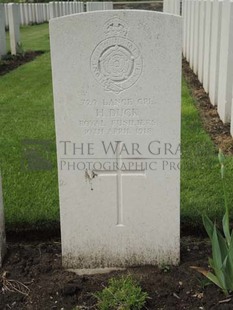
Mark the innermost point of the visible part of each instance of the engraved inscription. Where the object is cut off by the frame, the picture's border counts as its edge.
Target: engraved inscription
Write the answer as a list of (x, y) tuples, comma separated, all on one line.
[(116, 62), (118, 116)]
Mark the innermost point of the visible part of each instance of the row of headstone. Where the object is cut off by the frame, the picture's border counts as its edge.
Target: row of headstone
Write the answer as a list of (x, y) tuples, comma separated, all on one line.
[(29, 13), (14, 15), (117, 102), (58, 9), (37, 13), (172, 6), (62, 8), (33, 13), (208, 47), (98, 6)]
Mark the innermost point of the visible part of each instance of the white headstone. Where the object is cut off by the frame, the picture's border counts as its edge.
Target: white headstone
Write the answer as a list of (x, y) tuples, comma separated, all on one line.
[(6, 15), (192, 33), (64, 8), (226, 63), (69, 8), (188, 30), (117, 84), (108, 5), (33, 13), (14, 23), (81, 6), (47, 11), (30, 18), (184, 15), (26, 15), (94, 6), (3, 49), (201, 40), (37, 13), (196, 34), (57, 8), (177, 7), (2, 227), (21, 8), (44, 12), (207, 44), (61, 8), (215, 51), (52, 12), (41, 17)]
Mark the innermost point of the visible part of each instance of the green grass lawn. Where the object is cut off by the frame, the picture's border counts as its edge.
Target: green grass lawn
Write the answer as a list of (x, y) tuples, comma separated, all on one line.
[(26, 106)]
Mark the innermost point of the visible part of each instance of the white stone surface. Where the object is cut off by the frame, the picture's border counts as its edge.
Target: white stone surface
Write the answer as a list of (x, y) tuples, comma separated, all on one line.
[(2, 227), (215, 51), (52, 13), (226, 63), (14, 23), (41, 18), (26, 16), (64, 8), (30, 19), (33, 13), (196, 35), (61, 8), (6, 15), (201, 40), (21, 8), (80, 7), (44, 12), (36, 13), (207, 44), (188, 30), (94, 6), (117, 79), (184, 15), (192, 33), (108, 5), (171, 6), (3, 49)]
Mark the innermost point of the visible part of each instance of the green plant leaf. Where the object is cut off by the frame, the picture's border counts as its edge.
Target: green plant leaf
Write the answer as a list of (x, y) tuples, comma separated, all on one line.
[(213, 278), (228, 266), (217, 259), (223, 245), (221, 157), (211, 263), (228, 273), (226, 228), (209, 226)]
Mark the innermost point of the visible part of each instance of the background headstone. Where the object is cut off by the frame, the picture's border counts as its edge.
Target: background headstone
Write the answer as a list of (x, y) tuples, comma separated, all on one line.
[(207, 44), (2, 31), (226, 63), (6, 15), (215, 51), (117, 81), (14, 23), (94, 6), (196, 36)]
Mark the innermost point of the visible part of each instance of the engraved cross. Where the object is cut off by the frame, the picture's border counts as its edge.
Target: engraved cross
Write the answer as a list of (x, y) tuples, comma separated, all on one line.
[(119, 174)]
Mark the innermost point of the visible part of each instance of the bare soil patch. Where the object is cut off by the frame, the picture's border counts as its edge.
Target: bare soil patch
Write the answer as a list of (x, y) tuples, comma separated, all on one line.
[(9, 62), (38, 266)]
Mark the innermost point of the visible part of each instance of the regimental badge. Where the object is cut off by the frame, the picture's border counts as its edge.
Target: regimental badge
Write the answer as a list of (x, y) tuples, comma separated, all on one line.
[(116, 62)]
